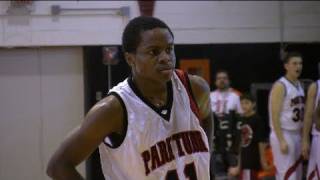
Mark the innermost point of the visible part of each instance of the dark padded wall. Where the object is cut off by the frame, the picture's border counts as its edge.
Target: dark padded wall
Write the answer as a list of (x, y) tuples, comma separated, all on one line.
[(248, 63)]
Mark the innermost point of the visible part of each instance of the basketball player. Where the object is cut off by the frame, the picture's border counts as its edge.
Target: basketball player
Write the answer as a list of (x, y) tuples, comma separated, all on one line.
[(313, 100), (225, 105), (286, 106), (148, 127)]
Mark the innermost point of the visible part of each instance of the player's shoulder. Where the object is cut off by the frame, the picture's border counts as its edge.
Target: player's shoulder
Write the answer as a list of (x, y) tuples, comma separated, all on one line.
[(281, 80), (279, 85), (110, 110), (279, 89), (313, 89), (111, 101), (122, 86), (198, 84), (314, 85)]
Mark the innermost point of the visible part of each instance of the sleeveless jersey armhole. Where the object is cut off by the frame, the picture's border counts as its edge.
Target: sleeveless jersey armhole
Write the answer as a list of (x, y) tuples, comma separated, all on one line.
[(285, 88), (183, 76), (317, 99), (117, 139)]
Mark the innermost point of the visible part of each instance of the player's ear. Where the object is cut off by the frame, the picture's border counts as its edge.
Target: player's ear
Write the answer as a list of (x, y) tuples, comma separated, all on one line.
[(130, 58)]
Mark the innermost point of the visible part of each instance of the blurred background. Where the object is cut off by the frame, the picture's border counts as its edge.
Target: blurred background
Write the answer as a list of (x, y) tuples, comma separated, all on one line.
[(58, 58)]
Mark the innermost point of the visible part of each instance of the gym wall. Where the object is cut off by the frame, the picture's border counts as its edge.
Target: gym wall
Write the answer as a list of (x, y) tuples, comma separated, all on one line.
[(192, 22), (41, 92)]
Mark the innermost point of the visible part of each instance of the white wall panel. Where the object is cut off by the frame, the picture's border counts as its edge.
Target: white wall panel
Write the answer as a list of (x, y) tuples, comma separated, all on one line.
[(302, 21), (192, 22), (41, 92), (62, 95), (20, 115)]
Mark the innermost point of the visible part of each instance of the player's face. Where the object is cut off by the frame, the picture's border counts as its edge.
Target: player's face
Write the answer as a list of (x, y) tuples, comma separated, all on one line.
[(247, 106), (222, 81), (154, 58), (294, 67)]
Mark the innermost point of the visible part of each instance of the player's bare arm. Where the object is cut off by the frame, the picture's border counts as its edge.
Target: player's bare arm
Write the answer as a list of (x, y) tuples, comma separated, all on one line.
[(104, 118), (307, 122), (318, 117), (277, 96), (201, 91)]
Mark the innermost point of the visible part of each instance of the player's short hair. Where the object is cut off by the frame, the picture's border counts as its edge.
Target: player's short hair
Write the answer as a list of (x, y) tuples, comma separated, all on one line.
[(132, 33), (247, 96), (221, 71), (290, 55)]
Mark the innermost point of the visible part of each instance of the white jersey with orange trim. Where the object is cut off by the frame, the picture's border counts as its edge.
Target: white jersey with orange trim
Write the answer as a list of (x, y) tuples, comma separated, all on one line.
[(316, 103), (292, 109), (162, 144), (225, 101)]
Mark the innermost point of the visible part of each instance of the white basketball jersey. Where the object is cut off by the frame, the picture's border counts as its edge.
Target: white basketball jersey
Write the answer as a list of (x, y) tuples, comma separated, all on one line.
[(159, 144), (292, 111), (314, 130), (223, 102)]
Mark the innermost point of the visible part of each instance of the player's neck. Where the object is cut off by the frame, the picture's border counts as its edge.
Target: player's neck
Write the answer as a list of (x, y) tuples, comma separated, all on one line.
[(150, 88), (291, 78), (250, 113)]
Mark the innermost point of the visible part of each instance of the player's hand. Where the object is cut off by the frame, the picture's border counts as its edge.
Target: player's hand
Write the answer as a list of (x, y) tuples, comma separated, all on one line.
[(233, 171), (305, 149), (284, 147)]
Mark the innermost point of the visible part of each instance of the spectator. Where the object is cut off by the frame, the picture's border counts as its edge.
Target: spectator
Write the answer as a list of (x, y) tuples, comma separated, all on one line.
[(225, 104), (254, 141)]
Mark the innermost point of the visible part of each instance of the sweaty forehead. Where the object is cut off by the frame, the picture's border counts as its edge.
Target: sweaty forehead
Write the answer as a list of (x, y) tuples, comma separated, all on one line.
[(156, 37)]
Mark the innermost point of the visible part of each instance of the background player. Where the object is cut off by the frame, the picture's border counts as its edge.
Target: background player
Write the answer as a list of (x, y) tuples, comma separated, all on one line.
[(225, 105), (313, 99), (286, 106), (148, 126)]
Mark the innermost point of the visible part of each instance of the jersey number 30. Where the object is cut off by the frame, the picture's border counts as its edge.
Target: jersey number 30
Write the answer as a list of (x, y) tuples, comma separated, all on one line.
[(298, 114), (189, 172)]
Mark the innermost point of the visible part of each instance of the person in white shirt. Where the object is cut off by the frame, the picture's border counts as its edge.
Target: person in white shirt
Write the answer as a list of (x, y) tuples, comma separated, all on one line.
[(224, 98), (225, 105)]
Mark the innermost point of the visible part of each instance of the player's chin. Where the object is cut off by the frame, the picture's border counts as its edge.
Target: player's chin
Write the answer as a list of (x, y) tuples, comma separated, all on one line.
[(166, 74), (298, 74)]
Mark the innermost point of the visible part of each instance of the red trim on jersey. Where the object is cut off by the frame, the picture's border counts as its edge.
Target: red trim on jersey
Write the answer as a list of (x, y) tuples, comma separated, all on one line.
[(293, 168), (183, 76), (241, 175), (314, 173)]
